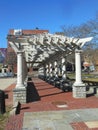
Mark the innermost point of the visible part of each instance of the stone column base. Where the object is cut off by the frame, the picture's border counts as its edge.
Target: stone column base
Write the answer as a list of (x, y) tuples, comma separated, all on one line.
[(19, 95), (79, 91)]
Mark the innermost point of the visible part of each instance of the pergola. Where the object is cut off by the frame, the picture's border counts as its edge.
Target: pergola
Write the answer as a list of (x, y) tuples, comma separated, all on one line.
[(45, 51)]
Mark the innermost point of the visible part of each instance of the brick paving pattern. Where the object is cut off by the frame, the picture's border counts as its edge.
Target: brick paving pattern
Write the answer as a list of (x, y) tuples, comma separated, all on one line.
[(81, 126), (47, 98)]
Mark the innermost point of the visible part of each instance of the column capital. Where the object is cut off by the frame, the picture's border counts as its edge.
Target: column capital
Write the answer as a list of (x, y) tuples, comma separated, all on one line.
[(20, 52), (78, 51)]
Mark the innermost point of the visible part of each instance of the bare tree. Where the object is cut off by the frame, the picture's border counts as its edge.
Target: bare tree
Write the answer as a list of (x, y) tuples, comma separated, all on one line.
[(88, 29)]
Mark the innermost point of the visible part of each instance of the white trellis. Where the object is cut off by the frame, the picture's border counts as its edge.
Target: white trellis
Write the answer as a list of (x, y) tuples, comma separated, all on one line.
[(40, 49)]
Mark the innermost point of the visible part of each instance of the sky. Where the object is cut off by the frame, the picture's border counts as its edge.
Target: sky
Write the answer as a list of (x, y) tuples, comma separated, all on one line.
[(44, 14)]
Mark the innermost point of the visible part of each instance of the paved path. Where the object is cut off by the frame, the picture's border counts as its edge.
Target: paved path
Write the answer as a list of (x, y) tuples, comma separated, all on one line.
[(5, 82), (58, 120), (48, 102)]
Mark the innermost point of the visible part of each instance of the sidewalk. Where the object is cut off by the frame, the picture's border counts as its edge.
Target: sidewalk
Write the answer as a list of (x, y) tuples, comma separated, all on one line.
[(49, 100), (5, 82)]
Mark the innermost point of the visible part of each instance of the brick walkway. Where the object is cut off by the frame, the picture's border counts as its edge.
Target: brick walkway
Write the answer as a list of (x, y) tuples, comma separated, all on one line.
[(49, 98)]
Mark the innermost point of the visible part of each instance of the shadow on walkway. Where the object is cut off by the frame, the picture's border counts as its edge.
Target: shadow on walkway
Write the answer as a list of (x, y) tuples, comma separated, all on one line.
[(32, 94), (52, 94), (45, 88), (93, 92)]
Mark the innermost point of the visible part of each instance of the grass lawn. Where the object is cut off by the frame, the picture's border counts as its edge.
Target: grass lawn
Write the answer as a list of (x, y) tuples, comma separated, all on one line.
[(85, 76)]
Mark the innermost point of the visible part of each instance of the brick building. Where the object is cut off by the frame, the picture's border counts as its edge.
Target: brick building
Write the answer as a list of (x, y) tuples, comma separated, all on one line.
[(11, 56)]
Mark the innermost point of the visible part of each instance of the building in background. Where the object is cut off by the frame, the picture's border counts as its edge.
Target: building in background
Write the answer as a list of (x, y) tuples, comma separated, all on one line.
[(3, 54)]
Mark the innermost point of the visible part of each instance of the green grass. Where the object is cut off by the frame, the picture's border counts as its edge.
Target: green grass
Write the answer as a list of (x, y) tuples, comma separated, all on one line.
[(85, 76)]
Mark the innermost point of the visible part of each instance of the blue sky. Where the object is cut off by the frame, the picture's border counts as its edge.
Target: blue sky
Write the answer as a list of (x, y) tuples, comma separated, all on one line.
[(44, 14)]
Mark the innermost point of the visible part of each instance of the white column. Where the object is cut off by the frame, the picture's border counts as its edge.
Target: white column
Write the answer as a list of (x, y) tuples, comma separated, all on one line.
[(25, 72), (50, 70), (55, 69), (24, 69), (78, 67), (59, 67), (63, 68), (42, 70), (47, 70), (79, 88), (19, 70)]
